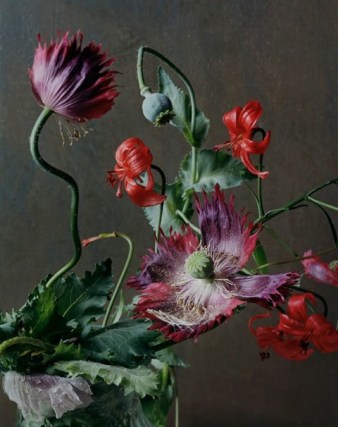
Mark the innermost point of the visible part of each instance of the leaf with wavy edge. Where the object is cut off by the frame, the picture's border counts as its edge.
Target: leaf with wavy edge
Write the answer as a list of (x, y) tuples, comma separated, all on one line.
[(141, 380)]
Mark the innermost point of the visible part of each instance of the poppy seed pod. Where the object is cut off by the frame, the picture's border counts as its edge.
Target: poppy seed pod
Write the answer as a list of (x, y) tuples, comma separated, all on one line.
[(157, 108)]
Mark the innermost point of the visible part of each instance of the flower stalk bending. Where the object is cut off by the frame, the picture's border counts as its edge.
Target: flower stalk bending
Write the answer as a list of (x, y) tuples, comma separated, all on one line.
[(34, 139)]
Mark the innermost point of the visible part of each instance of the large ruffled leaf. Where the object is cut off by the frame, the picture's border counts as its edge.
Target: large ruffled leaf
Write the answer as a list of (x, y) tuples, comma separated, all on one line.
[(66, 308), (126, 343), (213, 167), (140, 380), (182, 109), (174, 202)]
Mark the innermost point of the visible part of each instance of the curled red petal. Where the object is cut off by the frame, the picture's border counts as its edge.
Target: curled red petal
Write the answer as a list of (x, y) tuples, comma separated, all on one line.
[(142, 196), (251, 168), (297, 306), (256, 147), (231, 121), (250, 115)]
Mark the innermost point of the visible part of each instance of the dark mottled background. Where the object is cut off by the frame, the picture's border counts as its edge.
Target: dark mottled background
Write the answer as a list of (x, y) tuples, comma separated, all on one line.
[(283, 53)]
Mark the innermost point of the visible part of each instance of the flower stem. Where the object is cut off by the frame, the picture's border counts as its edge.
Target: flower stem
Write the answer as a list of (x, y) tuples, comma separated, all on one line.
[(144, 88), (294, 203), (159, 219), (290, 261), (319, 202), (259, 189), (34, 139), (185, 80), (123, 273), (185, 219)]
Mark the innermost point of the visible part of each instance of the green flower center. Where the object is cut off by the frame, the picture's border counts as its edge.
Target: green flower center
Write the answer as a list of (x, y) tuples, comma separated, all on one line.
[(199, 265)]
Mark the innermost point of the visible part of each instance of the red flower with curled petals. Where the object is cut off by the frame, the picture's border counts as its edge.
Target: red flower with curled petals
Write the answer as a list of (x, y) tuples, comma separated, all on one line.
[(296, 330), (241, 123), (134, 158), (318, 270), (72, 81)]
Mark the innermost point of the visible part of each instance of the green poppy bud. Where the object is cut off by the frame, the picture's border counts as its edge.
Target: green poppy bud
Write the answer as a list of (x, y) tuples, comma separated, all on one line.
[(157, 108), (200, 265)]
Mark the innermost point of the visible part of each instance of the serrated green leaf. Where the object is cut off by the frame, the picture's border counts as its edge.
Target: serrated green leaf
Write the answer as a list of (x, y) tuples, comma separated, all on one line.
[(66, 308), (125, 343), (213, 167), (182, 109), (64, 351), (174, 202), (141, 380), (84, 300)]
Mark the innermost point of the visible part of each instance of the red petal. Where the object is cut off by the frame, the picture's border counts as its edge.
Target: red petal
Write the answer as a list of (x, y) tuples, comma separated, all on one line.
[(250, 114), (251, 168), (256, 147), (141, 196), (297, 306), (231, 120)]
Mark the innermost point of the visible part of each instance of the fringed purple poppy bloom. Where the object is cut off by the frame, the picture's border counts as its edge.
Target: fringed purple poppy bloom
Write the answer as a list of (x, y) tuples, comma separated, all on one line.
[(189, 285), (72, 81)]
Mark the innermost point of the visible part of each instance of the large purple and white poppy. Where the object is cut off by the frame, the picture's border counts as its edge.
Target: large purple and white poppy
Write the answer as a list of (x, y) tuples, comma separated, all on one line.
[(190, 285), (72, 81)]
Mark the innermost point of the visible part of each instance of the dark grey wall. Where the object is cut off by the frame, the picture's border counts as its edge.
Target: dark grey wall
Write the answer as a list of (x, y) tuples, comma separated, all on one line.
[(283, 53)]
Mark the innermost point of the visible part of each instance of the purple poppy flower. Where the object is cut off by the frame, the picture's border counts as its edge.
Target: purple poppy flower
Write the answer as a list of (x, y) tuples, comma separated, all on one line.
[(72, 81), (189, 285)]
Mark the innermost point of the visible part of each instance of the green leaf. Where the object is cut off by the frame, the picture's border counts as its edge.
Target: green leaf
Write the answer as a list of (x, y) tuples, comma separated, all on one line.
[(259, 256), (141, 380), (213, 167), (66, 308), (182, 109), (126, 343), (173, 203), (83, 301), (64, 351)]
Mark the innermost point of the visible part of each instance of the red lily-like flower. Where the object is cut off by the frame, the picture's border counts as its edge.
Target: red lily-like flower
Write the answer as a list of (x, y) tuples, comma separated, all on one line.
[(296, 331), (72, 81), (318, 270), (134, 158), (241, 123)]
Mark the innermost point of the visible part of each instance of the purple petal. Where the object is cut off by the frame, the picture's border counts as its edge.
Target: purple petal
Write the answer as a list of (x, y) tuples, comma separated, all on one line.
[(168, 264), (262, 286), (225, 233), (73, 82)]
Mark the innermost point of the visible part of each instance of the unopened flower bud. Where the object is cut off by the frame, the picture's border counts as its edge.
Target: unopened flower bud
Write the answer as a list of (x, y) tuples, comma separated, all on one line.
[(157, 108)]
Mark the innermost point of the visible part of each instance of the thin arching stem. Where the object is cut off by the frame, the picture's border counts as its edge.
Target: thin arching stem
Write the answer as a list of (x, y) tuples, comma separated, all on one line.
[(34, 139), (159, 219)]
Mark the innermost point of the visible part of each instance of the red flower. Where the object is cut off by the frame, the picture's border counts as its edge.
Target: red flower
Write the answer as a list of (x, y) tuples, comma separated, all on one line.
[(134, 158), (241, 123), (318, 270), (72, 81), (296, 330)]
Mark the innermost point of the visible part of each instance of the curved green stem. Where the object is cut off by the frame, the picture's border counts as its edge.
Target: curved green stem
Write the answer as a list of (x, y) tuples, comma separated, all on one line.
[(259, 189), (320, 203), (290, 261), (123, 273), (185, 219), (294, 203), (34, 139), (144, 88), (185, 80), (159, 219)]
